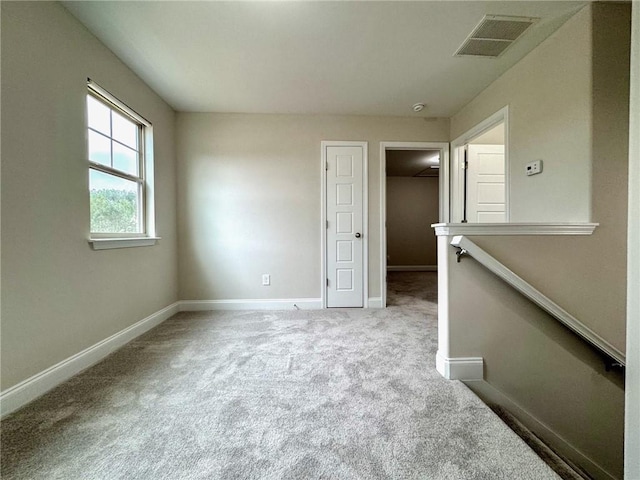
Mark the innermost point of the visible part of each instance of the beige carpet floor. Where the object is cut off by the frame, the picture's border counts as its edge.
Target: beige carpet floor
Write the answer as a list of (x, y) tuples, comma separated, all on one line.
[(332, 394)]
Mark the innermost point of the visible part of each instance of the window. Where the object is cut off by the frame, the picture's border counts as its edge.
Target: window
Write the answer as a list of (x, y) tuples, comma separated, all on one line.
[(120, 172)]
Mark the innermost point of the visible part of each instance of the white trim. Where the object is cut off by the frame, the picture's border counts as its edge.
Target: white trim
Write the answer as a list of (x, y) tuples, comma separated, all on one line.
[(632, 386), (490, 395), (149, 184), (323, 224), (365, 215), (445, 186), (109, 243), (443, 194), (375, 302), (251, 304), (514, 228), (37, 385), (460, 368), (365, 224), (456, 183), (116, 102), (444, 262), (145, 179), (537, 297), (452, 176), (412, 268)]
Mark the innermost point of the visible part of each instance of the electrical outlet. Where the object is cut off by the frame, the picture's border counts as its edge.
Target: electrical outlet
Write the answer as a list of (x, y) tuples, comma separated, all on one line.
[(534, 168), (266, 279)]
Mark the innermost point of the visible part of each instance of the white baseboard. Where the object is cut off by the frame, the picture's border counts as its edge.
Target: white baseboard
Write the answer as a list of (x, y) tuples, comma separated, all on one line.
[(374, 302), (245, 304), (490, 395), (28, 390), (412, 268), (37, 385), (460, 368)]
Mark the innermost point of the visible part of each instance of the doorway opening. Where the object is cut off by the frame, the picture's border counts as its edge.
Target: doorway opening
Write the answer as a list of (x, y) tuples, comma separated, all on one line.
[(480, 173), (411, 186)]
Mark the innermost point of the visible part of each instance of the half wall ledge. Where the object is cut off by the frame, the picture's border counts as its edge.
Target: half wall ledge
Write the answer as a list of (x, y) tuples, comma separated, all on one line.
[(450, 229)]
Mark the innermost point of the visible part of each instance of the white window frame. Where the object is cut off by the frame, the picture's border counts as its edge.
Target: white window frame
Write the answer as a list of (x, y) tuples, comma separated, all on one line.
[(147, 235)]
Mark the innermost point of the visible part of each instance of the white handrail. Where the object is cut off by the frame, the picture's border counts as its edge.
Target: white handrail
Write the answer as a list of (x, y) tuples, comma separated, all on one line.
[(466, 246)]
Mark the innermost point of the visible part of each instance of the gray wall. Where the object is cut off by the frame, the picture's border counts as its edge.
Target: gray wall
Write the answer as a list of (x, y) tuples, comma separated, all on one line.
[(249, 199), (59, 296), (597, 266), (532, 361), (550, 117), (528, 358), (412, 207)]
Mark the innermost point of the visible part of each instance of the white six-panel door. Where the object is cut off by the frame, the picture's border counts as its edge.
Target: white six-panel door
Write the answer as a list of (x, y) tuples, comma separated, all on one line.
[(486, 184), (344, 228)]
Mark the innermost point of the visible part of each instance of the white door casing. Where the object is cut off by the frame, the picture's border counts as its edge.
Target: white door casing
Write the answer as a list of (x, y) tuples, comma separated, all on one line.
[(485, 184), (345, 225), (453, 177)]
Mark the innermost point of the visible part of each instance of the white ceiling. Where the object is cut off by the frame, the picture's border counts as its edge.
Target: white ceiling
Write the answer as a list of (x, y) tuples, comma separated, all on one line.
[(341, 57)]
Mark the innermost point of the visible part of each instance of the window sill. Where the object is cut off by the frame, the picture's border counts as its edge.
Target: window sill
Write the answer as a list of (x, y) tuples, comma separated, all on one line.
[(109, 243)]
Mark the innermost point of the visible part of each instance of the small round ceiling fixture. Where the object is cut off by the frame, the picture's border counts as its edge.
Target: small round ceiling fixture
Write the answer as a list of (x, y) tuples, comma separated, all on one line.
[(418, 107)]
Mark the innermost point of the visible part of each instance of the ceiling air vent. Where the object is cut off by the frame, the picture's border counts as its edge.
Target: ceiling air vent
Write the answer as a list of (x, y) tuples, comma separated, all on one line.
[(493, 35)]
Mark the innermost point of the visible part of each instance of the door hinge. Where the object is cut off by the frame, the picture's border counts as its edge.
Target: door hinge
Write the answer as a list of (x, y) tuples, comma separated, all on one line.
[(327, 223), (326, 165), (327, 282)]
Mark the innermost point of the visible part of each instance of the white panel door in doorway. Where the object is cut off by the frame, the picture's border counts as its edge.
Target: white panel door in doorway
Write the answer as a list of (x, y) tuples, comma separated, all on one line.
[(486, 184), (344, 197)]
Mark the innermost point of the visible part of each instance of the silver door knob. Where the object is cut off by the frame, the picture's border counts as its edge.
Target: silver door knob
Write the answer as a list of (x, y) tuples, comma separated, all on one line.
[(358, 235)]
